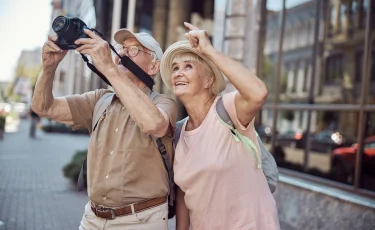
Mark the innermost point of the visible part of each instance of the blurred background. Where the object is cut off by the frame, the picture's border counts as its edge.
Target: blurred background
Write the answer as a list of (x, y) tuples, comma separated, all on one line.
[(317, 58)]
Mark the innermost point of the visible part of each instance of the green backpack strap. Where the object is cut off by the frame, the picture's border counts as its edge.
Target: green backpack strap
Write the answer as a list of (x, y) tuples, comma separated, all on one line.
[(225, 119)]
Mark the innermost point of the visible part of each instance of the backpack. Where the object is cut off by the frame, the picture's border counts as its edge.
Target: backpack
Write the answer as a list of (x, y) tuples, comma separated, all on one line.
[(267, 162), (100, 107)]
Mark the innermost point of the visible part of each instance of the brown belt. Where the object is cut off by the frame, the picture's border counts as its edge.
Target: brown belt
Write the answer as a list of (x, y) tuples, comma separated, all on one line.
[(112, 213)]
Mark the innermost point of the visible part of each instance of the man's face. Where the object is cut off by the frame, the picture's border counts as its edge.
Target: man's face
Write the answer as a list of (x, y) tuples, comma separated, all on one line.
[(143, 59)]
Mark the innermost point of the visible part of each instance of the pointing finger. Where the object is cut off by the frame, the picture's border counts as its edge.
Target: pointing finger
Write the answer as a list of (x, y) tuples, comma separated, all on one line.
[(190, 26)]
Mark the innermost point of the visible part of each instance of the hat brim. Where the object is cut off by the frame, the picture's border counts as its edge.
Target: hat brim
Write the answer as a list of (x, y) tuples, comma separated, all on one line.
[(122, 34), (182, 47)]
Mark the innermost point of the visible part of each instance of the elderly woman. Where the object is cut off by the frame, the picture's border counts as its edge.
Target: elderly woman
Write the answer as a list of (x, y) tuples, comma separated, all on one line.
[(221, 185)]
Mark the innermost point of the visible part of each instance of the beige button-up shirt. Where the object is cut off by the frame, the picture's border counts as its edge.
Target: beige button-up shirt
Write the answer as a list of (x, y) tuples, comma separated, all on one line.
[(124, 165)]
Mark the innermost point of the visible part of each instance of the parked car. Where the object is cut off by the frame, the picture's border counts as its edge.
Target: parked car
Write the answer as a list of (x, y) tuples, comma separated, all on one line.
[(328, 140), (290, 138), (343, 160), (325, 141), (264, 132)]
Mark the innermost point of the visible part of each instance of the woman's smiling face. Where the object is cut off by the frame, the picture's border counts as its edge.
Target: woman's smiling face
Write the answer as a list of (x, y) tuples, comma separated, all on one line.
[(189, 75)]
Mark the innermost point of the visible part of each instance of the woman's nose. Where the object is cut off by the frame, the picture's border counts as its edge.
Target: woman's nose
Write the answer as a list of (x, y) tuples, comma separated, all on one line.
[(178, 73)]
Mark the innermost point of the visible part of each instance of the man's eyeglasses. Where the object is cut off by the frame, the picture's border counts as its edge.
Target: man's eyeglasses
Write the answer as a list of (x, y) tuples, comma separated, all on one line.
[(131, 51)]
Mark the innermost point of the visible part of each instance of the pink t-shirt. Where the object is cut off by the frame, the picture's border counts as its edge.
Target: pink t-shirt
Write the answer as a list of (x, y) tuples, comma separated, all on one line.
[(223, 187)]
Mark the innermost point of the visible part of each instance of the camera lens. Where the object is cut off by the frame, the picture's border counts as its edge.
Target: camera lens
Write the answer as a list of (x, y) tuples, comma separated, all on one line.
[(59, 24)]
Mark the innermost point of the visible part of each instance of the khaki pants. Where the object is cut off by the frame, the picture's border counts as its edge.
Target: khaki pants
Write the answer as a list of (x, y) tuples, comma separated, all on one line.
[(151, 219)]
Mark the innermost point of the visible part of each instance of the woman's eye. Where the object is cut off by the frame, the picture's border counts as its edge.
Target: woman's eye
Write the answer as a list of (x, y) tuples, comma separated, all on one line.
[(188, 66), (175, 69)]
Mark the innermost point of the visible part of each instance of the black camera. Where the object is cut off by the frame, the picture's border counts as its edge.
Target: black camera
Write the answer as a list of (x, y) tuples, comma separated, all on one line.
[(68, 30)]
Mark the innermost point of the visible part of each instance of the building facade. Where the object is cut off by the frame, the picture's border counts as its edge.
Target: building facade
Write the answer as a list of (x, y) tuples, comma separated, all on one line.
[(296, 64), (28, 67)]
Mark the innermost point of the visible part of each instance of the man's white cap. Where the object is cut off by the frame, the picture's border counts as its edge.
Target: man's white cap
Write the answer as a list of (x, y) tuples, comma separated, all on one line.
[(144, 38)]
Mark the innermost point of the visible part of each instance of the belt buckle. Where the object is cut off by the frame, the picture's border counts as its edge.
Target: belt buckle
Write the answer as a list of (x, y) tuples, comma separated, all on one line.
[(103, 209)]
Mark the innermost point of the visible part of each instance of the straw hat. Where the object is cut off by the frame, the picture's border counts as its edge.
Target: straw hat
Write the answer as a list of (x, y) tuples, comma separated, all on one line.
[(182, 47)]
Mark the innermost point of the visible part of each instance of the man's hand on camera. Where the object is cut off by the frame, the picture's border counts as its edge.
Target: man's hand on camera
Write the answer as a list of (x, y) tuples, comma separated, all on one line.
[(52, 54), (98, 49)]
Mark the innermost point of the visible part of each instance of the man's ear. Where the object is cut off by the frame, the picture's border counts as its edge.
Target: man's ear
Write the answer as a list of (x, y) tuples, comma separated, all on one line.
[(154, 68), (208, 82)]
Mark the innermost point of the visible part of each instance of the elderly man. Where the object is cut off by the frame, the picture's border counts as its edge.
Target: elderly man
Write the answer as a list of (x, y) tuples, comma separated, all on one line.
[(126, 179)]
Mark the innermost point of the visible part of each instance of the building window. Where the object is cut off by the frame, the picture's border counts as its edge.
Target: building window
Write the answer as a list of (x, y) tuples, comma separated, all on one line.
[(334, 69), (300, 118), (295, 77), (358, 66), (365, 10), (306, 76), (332, 14), (343, 9)]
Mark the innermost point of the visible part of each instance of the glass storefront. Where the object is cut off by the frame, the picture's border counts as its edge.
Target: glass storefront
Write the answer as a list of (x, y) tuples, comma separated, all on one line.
[(319, 72)]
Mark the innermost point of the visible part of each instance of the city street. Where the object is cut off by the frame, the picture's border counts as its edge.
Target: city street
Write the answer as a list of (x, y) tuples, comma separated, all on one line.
[(34, 194)]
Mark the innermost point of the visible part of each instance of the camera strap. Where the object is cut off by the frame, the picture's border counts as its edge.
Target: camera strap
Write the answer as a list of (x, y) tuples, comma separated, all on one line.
[(125, 61)]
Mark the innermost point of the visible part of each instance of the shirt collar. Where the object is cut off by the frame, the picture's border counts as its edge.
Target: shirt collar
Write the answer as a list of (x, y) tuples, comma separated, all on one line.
[(146, 90)]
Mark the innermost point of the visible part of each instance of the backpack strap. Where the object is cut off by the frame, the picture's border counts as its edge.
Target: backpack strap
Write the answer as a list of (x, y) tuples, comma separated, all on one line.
[(100, 107), (269, 165), (82, 177), (224, 118), (164, 155), (153, 95), (178, 130), (167, 165)]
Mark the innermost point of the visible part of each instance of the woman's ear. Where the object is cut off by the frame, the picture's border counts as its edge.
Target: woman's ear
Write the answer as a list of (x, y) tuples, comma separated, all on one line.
[(154, 68), (208, 82)]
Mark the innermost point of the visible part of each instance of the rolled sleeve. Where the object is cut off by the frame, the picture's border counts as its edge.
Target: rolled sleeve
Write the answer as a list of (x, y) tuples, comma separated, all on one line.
[(82, 108), (169, 106), (229, 104)]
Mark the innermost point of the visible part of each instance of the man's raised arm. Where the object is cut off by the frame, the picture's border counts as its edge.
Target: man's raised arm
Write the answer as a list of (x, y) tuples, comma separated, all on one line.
[(43, 102)]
